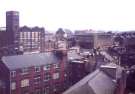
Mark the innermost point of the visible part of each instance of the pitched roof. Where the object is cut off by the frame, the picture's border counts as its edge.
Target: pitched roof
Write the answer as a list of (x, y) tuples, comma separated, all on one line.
[(28, 60), (95, 83)]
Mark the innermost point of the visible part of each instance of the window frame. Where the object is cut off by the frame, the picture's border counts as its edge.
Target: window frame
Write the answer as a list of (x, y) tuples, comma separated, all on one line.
[(37, 80), (25, 71), (13, 84), (56, 66), (47, 77), (25, 83), (56, 76), (13, 73), (46, 67), (37, 68)]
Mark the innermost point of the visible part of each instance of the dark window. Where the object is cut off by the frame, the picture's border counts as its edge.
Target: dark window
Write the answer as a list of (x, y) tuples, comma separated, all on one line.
[(13, 73), (46, 90), (24, 71), (47, 67), (37, 69), (37, 92), (37, 80), (47, 77)]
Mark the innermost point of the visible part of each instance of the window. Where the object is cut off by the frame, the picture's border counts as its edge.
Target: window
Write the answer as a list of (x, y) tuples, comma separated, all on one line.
[(54, 89), (13, 85), (47, 77), (45, 90), (47, 67), (65, 75), (37, 80), (37, 68), (37, 92), (24, 71), (13, 73), (25, 91), (29, 35), (56, 66), (25, 83), (56, 76)]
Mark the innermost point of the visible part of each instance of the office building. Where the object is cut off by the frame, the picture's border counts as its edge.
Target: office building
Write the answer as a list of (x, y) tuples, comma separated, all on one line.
[(12, 27), (32, 39)]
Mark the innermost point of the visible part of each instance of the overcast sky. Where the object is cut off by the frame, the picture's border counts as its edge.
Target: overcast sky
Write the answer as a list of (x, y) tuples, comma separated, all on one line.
[(73, 14)]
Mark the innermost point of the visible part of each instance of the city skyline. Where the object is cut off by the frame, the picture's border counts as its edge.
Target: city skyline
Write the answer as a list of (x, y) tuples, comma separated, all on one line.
[(72, 14)]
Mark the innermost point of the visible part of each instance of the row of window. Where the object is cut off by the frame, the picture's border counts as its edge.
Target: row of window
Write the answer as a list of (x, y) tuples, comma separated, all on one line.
[(30, 39), (25, 42), (37, 69), (37, 80), (30, 34), (45, 90)]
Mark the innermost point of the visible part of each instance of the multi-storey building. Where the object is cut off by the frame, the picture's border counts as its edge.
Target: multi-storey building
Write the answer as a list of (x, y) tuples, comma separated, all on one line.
[(32, 39), (103, 40), (75, 74), (91, 39), (5, 45), (124, 51), (3, 37), (84, 40), (124, 48), (12, 27), (43, 73), (50, 41), (79, 61)]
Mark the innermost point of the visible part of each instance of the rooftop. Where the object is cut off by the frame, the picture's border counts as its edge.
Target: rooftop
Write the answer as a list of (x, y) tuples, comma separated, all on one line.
[(94, 83), (88, 85), (28, 60)]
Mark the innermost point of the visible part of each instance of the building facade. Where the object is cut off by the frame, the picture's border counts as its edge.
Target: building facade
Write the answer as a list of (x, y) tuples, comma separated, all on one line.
[(103, 40), (12, 27), (50, 41), (5, 47), (42, 73), (84, 40), (79, 65), (60, 34), (32, 39), (75, 74)]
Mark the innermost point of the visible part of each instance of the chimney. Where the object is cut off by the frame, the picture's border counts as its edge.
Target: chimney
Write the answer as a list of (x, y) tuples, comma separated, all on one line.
[(112, 70)]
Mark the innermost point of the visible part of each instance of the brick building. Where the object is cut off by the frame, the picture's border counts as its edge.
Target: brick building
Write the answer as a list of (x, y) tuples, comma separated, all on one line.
[(43, 73), (80, 65), (3, 39), (77, 71), (5, 45)]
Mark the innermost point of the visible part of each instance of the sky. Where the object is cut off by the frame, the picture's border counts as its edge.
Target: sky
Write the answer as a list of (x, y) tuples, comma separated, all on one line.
[(116, 15)]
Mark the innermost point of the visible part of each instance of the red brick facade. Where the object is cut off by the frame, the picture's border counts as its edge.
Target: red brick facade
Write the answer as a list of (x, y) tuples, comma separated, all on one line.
[(44, 79)]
